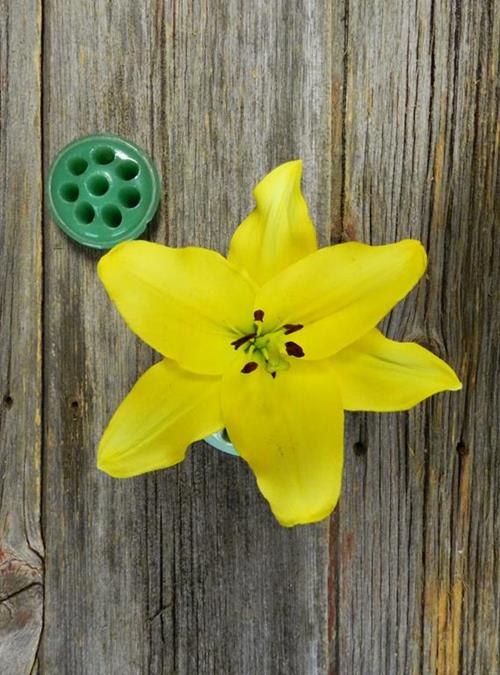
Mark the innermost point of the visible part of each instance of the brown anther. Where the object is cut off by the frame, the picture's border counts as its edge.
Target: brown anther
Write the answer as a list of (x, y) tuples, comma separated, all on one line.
[(293, 349), (258, 315), (249, 367), (241, 341), (292, 327)]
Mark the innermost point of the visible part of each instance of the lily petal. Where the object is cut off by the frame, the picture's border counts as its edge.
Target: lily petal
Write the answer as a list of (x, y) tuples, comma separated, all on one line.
[(378, 374), (188, 303), (279, 231), (340, 292), (290, 431), (167, 409)]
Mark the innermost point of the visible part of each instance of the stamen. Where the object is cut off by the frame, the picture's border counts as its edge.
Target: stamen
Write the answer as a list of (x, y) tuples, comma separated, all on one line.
[(241, 341), (249, 367), (292, 327), (258, 315), (293, 349)]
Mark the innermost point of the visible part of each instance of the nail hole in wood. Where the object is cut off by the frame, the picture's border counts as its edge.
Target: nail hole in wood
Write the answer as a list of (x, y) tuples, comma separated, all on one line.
[(462, 449), (8, 401), (359, 448), (74, 404)]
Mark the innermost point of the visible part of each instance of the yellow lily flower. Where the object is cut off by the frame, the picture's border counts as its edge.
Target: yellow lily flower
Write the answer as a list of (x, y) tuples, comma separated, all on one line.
[(272, 343)]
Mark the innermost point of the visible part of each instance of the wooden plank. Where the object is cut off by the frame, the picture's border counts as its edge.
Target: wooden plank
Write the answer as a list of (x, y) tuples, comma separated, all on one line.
[(248, 88), (417, 549), (184, 571), (21, 548), (99, 76)]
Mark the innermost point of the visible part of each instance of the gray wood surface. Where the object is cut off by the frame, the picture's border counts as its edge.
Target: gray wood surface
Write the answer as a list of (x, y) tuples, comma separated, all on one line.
[(21, 547), (418, 526), (391, 104)]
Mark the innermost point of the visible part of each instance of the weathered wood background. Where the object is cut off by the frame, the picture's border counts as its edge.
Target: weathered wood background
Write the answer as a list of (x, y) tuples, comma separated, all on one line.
[(392, 106)]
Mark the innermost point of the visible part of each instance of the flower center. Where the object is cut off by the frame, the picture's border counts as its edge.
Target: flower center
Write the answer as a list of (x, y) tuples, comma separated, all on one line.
[(271, 350)]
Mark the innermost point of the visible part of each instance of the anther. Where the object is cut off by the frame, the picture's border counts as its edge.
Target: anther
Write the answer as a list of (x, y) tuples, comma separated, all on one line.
[(249, 367), (258, 315), (241, 341), (292, 327), (293, 349)]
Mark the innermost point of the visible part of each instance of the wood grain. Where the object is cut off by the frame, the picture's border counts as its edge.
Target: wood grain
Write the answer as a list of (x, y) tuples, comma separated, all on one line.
[(183, 562), (246, 90), (392, 106), (21, 548), (94, 527), (418, 579)]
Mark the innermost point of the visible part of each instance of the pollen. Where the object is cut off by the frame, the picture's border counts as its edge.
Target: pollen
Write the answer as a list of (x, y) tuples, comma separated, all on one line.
[(292, 327), (293, 349), (242, 340), (249, 367)]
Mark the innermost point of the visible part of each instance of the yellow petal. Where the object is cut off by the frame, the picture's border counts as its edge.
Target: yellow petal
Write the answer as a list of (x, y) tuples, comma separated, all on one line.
[(340, 292), (290, 431), (378, 374), (167, 409), (279, 231), (187, 303)]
